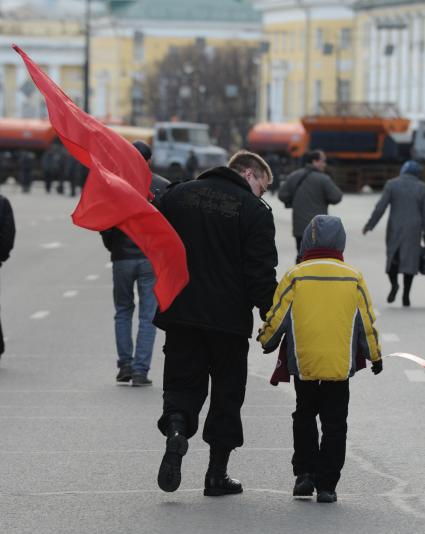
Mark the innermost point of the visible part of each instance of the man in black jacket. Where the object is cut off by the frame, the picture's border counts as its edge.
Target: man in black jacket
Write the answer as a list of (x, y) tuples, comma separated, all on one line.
[(228, 232), (7, 240), (129, 267)]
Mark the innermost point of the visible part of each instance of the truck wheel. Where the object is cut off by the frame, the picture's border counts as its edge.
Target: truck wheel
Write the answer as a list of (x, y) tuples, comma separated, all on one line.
[(175, 172)]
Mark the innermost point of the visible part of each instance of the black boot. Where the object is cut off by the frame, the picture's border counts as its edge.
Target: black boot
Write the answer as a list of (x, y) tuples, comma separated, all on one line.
[(217, 481), (407, 284), (169, 475)]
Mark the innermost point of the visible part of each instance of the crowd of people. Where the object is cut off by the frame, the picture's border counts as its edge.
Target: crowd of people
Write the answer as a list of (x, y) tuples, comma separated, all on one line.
[(319, 316)]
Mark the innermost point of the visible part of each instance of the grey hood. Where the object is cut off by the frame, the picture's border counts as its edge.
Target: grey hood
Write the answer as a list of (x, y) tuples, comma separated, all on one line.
[(324, 231)]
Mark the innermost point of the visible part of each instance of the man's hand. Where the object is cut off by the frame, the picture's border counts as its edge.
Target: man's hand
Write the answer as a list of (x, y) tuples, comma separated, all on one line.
[(377, 367)]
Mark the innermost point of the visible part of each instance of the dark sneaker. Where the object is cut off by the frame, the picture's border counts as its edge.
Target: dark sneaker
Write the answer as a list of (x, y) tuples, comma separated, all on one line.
[(169, 475), (139, 379), (124, 374), (326, 496), (216, 485), (304, 485), (406, 300)]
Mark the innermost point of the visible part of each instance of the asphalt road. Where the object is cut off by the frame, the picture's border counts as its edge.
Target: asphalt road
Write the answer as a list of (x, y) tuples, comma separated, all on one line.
[(79, 454)]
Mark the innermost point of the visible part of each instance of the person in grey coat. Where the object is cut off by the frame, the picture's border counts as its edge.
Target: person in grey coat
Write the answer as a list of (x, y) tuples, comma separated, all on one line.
[(309, 191), (406, 197)]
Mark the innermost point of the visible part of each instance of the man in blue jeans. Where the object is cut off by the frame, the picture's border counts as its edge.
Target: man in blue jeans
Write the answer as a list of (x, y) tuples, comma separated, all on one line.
[(130, 266)]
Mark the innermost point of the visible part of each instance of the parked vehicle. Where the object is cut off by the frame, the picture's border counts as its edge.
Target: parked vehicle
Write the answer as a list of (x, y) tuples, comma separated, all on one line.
[(179, 149), (364, 143)]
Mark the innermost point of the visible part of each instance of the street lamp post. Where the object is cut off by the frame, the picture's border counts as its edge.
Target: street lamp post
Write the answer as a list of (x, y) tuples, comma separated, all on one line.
[(87, 57)]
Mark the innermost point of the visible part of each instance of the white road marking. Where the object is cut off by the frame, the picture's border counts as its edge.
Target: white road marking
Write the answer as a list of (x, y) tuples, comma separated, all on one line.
[(108, 265), (92, 277), (33, 223), (53, 245), (415, 375), (390, 338), (41, 314), (69, 294)]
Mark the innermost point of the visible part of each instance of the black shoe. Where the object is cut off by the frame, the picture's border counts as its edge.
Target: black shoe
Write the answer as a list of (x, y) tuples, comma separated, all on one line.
[(406, 300), (169, 475), (139, 379), (304, 485), (326, 496), (216, 485), (392, 294), (124, 374)]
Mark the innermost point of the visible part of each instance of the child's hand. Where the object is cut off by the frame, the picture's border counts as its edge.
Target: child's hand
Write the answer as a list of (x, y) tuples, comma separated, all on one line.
[(377, 367)]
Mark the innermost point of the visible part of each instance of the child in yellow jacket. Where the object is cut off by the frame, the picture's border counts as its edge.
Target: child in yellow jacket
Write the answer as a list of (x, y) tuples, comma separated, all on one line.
[(323, 310)]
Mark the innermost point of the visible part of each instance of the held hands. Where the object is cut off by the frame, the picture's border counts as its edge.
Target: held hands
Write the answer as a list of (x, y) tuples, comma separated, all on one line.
[(377, 367)]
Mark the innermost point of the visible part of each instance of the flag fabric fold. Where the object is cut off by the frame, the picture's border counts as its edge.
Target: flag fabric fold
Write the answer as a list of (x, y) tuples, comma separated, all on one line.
[(117, 187)]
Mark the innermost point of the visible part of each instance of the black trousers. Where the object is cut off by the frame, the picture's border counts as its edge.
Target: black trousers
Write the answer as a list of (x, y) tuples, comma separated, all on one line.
[(329, 400), (192, 356)]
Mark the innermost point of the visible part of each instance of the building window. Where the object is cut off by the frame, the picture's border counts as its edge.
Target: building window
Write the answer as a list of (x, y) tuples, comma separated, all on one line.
[(319, 39), (317, 95), (344, 90), (139, 47), (345, 38)]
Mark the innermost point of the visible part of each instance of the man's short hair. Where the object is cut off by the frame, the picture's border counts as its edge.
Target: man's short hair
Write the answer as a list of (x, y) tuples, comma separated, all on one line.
[(313, 155), (243, 159)]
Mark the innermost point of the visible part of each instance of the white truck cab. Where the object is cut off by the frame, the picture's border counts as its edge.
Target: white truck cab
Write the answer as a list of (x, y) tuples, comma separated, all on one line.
[(184, 149)]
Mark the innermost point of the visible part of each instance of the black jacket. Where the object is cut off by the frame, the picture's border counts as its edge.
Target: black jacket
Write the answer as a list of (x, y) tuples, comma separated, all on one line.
[(119, 245), (229, 237)]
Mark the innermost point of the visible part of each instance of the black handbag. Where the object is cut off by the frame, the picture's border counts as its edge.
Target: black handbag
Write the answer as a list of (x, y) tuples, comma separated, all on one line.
[(422, 260)]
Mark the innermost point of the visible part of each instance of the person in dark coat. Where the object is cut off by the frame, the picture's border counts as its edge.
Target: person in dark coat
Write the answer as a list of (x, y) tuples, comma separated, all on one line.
[(308, 191), (406, 197), (7, 240), (131, 267), (228, 232)]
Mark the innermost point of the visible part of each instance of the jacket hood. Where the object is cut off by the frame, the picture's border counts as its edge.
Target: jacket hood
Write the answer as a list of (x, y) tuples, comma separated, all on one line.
[(412, 167), (324, 231)]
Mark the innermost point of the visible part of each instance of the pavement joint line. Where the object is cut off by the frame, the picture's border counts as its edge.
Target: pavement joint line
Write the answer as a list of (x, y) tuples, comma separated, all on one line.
[(390, 337), (113, 417), (40, 314), (70, 293), (91, 277), (415, 375), (134, 451), (159, 491)]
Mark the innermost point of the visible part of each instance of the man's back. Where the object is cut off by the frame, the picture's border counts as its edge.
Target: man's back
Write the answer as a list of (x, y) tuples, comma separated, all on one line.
[(312, 197), (229, 238)]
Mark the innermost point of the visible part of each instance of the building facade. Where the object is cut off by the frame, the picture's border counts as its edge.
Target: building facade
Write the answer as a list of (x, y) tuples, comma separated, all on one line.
[(391, 49), (56, 45), (309, 57)]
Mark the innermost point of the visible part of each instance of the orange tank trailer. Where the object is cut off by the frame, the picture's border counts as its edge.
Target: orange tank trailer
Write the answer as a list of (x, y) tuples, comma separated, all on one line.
[(30, 134), (282, 138)]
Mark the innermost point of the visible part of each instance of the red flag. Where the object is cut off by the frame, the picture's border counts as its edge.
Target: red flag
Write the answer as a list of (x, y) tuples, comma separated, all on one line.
[(117, 187)]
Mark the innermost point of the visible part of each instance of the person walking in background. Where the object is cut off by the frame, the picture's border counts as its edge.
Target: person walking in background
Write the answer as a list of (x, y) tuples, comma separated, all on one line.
[(323, 309), (7, 240), (228, 232), (26, 163), (406, 197), (52, 163), (308, 191), (129, 267)]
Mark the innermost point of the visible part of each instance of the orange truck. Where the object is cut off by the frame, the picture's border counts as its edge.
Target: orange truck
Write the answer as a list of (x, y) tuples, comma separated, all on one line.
[(365, 143)]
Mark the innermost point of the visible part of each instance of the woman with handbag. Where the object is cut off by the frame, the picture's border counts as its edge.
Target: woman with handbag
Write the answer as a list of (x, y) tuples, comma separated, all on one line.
[(406, 197)]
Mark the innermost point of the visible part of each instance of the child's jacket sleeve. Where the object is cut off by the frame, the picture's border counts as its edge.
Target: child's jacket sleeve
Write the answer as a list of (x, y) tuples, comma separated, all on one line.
[(368, 318), (275, 325)]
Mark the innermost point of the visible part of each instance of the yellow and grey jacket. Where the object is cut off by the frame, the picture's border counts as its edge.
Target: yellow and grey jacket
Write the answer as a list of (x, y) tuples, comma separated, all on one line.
[(324, 309)]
